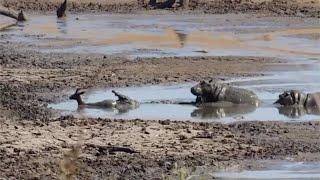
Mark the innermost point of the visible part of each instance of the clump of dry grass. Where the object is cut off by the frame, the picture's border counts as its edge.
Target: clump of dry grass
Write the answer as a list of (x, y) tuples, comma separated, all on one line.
[(183, 173), (69, 164)]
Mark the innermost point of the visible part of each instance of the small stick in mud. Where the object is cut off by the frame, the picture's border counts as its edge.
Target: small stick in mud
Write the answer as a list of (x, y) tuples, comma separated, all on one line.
[(112, 149), (13, 14), (61, 11)]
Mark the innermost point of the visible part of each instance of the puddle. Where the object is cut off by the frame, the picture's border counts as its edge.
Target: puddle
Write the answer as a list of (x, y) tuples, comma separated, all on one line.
[(165, 35), (267, 88), (276, 170), (184, 35)]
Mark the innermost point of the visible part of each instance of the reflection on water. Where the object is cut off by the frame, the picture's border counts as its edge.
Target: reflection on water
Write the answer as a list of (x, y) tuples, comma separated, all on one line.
[(171, 35), (181, 93), (297, 112), (276, 170), (222, 112), (117, 111), (62, 26)]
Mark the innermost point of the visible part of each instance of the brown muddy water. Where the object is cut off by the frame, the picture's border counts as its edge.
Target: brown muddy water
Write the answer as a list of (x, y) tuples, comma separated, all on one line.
[(185, 35), (170, 35)]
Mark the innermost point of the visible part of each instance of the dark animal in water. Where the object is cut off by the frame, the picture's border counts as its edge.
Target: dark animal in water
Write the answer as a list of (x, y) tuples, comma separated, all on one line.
[(297, 98), (61, 11), (123, 102), (208, 92), (161, 5)]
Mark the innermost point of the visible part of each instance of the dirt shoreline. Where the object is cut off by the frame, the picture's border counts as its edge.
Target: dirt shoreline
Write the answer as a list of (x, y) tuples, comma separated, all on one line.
[(302, 8), (34, 139), (31, 75)]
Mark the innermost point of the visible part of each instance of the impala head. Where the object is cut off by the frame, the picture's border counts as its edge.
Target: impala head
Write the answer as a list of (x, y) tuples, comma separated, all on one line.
[(77, 96)]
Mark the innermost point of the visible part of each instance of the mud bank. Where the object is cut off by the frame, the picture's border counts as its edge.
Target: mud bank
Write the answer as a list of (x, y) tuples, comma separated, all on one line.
[(33, 139), (79, 147), (308, 8), (39, 78)]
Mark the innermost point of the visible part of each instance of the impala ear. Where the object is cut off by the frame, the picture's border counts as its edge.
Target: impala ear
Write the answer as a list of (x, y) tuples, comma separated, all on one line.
[(211, 80), (77, 90), (82, 92)]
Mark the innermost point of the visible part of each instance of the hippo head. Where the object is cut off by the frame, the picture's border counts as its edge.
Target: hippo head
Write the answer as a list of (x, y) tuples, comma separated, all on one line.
[(291, 97), (201, 89)]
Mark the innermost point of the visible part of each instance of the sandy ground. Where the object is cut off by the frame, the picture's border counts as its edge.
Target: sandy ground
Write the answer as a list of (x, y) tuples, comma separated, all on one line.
[(303, 8)]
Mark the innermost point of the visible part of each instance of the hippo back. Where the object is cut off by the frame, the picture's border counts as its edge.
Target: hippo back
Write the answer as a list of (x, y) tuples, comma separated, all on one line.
[(313, 100), (239, 96)]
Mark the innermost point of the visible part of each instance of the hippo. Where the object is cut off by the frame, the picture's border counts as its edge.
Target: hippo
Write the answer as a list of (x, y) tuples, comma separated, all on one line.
[(295, 104), (211, 92), (298, 98)]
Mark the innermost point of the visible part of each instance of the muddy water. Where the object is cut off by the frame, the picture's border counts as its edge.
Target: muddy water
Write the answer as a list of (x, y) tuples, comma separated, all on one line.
[(267, 88), (276, 170), (186, 35), (170, 35), (159, 36)]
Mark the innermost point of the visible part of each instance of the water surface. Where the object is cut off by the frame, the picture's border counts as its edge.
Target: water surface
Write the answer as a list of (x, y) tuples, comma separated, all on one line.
[(168, 35), (283, 170), (267, 88)]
